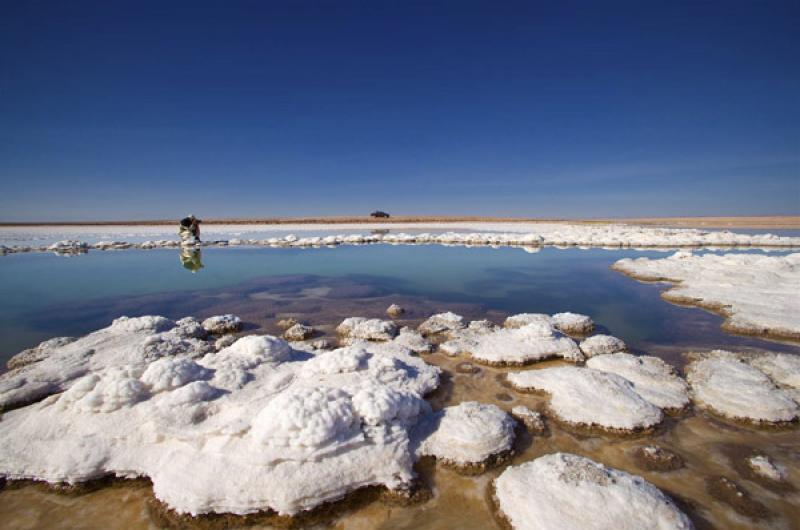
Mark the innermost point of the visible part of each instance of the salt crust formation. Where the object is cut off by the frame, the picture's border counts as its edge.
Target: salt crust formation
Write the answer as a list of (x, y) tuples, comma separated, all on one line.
[(255, 426), (493, 234), (222, 324), (590, 398), (563, 490), (359, 328), (466, 435), (757, 293), (298, 332), (726, 385), (652, 378), (782, 368), (442, 323), (601, 344), (526, 338), (532, 420)]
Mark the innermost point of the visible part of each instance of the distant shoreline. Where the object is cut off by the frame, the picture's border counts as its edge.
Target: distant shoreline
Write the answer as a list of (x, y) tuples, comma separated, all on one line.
[(767, 222)]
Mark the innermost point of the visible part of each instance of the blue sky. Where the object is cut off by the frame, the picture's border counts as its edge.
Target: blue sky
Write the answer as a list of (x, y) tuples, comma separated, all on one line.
[(141, 110)]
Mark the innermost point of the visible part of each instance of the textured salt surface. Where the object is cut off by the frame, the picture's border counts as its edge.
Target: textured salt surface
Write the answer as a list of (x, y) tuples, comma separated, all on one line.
[(652, 378), (601, 344), (723, 383), (593, 398), (566, 491), (759, 294), (526, 338), (252, 427), (468, 433)]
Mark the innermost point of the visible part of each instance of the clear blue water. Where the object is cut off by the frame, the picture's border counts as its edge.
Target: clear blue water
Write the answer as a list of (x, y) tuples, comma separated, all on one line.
[(44, 295)]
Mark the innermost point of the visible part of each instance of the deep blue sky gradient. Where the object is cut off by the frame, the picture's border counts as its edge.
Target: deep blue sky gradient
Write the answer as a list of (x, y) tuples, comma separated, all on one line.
[(138, 110)]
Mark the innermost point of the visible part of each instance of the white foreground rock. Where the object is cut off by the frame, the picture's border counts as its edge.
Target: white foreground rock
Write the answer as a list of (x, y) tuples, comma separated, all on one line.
[(758, 293), (729, 387), (259, 425), (652, 378), (601, 344), (590, 398), (413, 340), (468, 434), (566, 491)]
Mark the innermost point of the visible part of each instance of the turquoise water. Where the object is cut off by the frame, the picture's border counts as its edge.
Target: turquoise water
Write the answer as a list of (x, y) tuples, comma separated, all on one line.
[(44, 295)]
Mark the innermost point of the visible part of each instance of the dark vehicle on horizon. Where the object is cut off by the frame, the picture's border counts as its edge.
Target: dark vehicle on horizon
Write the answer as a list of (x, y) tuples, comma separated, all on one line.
[(379, 214)]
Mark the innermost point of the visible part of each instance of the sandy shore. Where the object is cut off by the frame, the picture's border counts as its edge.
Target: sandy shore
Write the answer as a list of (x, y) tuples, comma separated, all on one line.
[(788, 222)]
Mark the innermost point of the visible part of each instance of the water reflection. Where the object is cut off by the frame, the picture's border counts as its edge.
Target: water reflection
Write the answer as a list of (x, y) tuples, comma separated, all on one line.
[(191, 259)]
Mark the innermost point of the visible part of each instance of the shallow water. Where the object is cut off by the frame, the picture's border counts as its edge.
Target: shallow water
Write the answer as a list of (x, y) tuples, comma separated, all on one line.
[(46, 295)]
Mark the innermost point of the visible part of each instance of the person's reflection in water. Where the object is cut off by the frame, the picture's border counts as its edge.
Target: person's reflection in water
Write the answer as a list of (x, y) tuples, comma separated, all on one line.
[(191, 259)]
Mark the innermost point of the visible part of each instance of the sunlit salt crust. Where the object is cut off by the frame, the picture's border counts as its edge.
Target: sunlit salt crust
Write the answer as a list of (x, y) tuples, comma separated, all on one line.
[(758, 294), (724, 384), (442, 323), (359, 328), (468, 436), (591, 398), (567, 491), (256, 426), (536, 340), (525, 235), (601, 344), (652, 378), (782, 368)]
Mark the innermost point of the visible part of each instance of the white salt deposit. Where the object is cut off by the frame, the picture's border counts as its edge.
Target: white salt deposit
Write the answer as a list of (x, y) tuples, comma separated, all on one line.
[(525, 235), (764, 467), (298, 332), (729, 387), (132, 341), (258, 425), (759, 293), (442, 322), (413, 340), (652, 378), (523, 319), (601, 344), (573, 323), (533, 342), (566, 491), (782, 368), (468, 433), (222, 324), (359, 328), (592, 398)]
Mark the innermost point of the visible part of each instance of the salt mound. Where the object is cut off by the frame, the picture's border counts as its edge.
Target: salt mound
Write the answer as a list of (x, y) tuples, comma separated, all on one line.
[(257, 426), (440, 323), (359, 328), (413, 340), (523, 319), (758, 293), (567, 491), (533, 342), (729, 387), (573, 323), (127, 341), (601, 344), (590, 398), (652, 378), (782, 368), (222, 324), (467, 435)]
